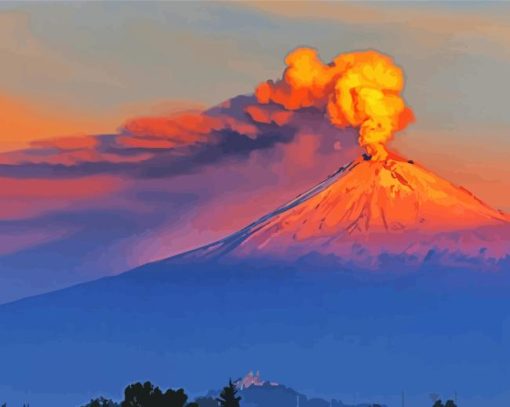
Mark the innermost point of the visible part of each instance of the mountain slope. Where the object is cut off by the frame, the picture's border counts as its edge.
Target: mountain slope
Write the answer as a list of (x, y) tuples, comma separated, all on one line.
[(370, 209), (278, 295)]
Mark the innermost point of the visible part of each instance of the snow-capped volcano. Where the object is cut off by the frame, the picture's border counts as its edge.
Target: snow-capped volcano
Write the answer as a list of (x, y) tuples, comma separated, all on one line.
[(252, 379), (289, 290), (371, 209)]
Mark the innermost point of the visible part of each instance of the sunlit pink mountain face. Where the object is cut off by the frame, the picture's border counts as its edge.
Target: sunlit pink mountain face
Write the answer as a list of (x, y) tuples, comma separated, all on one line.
[(369, 211)]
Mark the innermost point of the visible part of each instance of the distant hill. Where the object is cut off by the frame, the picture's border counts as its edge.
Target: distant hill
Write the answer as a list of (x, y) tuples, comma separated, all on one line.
[(256, 392)]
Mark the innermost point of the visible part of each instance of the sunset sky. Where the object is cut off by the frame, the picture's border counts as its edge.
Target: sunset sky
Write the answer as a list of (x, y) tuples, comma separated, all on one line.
[(80, 80)]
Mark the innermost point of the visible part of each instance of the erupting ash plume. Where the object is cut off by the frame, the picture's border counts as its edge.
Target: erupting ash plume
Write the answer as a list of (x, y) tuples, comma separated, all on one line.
[(358, 89)]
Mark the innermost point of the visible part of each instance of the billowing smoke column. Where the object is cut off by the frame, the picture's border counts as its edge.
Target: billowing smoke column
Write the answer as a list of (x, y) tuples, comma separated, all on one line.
[(358, 89)]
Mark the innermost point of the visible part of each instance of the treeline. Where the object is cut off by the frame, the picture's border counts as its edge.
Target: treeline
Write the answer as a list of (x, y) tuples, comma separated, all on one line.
[(449, 403), (148, 395)]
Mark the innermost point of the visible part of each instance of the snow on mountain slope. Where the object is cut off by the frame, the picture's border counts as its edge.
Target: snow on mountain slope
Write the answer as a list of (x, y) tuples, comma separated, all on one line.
[(371, 209)]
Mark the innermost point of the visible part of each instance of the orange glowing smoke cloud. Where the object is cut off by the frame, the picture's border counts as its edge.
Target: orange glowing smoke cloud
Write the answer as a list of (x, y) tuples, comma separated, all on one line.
[(358, 89)]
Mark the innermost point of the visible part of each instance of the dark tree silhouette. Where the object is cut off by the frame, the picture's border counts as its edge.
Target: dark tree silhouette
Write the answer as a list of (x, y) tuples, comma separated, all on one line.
[(141, 395), (438, 403), (101, 402), (450, 403), (148, 395), (228, 396), (175, 398)]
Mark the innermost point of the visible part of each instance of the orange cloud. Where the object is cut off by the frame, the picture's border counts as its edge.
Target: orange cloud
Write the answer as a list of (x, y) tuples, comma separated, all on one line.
[(181, 128), (246, 129), (178, 130), (81, 142), (267, 115)]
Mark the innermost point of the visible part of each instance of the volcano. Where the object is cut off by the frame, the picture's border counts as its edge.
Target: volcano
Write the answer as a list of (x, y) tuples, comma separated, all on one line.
[(372, 210), (317, 293)]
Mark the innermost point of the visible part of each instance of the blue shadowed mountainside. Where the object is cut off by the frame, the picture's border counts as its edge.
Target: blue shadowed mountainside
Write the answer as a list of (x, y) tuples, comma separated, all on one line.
[(313, 327)]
